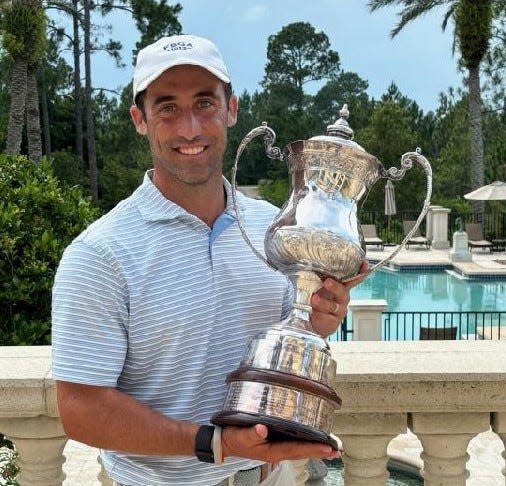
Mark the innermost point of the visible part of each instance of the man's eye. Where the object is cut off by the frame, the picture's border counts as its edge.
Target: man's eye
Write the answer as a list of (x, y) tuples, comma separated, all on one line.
[(168, 108), (204, 104)]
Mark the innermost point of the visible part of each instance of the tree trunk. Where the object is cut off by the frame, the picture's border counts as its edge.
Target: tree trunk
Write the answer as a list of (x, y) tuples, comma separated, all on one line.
[(46, 129), (17, 107), (476, 136), (78, 101), (90, 126), (33, 117)]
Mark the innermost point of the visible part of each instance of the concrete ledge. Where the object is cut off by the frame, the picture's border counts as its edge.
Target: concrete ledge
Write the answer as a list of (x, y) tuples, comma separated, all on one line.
[(420, 376), (26, 387)]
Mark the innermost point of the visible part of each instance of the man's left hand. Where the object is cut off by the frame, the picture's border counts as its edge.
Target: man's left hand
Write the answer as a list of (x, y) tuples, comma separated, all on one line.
[(330, 302)]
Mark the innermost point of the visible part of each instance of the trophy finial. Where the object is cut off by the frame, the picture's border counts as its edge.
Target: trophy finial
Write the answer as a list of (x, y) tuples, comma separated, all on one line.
[(341, 128)]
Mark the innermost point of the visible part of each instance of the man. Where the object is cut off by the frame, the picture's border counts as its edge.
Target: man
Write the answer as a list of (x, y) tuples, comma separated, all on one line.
[(155, 302)]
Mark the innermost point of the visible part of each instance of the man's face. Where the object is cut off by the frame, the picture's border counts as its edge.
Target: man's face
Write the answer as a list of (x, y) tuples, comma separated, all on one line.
[(185, 119)]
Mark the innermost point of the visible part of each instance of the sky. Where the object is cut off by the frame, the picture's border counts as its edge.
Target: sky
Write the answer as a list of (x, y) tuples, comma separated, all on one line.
[(419, 60)]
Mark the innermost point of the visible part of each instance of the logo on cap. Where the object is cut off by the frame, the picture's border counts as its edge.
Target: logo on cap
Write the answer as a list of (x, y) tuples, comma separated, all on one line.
[(178, 46)]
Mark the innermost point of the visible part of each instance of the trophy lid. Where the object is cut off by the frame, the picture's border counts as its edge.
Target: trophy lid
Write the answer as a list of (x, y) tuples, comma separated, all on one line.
[(340, 131)]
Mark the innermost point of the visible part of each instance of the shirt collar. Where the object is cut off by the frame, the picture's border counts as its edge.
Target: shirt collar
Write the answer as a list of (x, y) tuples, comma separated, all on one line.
[(154, 206)]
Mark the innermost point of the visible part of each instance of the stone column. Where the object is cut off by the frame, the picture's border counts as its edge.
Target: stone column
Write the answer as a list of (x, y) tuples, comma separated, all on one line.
[(365, 439), (428, 222), (444, 438), (439, 227), (366, 319), (39, 442), (499, 427)]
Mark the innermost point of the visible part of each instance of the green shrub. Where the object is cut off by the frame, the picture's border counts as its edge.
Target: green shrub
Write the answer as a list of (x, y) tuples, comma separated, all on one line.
[(456, 204), (276, 192), (38, 219), (66, 166), (8, 467)]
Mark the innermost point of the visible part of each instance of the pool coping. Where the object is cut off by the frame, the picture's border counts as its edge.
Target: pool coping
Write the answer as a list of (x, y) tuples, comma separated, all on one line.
[(483, 266)]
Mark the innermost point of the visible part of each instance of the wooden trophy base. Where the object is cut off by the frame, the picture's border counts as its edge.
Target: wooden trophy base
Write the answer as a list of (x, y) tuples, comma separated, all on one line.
[(280, 430)]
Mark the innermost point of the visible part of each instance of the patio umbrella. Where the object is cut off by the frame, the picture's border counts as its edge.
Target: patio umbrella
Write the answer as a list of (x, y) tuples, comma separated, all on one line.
[(496, 191), (491, 192), (390, 208)]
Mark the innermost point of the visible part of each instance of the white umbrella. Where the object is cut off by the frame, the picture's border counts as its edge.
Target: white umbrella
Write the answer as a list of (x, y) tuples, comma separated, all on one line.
[(491, 192), (390, 207)]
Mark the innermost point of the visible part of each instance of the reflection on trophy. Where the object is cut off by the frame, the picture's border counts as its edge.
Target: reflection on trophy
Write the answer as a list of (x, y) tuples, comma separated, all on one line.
[(283, 380)]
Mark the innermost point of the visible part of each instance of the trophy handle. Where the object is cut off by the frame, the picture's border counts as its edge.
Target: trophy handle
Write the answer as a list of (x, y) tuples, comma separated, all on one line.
[(397, 174), (273, 153)]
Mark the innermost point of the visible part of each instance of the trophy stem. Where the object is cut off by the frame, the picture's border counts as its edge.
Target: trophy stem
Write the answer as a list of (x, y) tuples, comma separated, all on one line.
[(305, 283)]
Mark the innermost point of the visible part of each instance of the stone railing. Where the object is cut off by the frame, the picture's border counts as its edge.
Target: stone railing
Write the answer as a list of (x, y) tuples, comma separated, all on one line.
[(29, 415), (444, 392)]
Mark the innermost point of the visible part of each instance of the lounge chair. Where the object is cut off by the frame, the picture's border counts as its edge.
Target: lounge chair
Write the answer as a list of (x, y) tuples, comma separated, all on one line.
[(475, 237), (416, 238), (370, 236), (438, 334)]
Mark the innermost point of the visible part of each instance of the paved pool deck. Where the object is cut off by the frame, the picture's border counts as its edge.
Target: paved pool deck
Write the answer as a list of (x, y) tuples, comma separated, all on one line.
[(485, 463), (484, 264)]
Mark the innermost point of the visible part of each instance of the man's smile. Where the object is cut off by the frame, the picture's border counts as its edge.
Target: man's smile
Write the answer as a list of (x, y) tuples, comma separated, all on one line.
[(194, 150)]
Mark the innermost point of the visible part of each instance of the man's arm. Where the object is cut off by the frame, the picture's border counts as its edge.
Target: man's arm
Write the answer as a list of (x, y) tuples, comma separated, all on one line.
[(109, 419)]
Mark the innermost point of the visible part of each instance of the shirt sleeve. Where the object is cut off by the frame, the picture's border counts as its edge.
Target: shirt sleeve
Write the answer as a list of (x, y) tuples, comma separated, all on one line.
[(89, 317)]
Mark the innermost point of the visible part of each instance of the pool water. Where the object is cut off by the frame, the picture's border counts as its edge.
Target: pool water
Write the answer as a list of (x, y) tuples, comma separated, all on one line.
[(335, 477), (433, 291)]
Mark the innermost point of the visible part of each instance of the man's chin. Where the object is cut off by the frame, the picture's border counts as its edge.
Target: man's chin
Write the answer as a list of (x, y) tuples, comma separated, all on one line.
[(195, 179)]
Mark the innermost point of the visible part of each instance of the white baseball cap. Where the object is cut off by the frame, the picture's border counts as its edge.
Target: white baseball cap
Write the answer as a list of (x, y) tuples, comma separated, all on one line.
[(176, 50)]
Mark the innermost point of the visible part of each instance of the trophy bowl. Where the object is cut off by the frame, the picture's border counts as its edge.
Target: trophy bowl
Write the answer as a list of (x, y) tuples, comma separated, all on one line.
[(283, 380)]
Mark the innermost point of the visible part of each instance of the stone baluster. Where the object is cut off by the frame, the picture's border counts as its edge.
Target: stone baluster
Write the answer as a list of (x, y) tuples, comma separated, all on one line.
[(102, 475), (499, 427), (444, 438), (39, 442), (365, 439)]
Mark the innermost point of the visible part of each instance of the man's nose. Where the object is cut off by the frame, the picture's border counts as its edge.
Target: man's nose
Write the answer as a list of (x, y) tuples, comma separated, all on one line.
[(189, 125)]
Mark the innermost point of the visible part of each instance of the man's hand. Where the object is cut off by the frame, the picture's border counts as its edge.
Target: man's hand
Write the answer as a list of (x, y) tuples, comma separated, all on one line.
[(252, 443), (330, 302)]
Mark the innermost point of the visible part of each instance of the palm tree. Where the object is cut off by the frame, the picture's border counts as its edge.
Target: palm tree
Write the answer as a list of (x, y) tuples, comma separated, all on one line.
[(473, 23), (33, 132), (23, 28)]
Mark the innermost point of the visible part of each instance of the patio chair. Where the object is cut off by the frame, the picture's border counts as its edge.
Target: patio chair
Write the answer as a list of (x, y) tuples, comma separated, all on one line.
[(475, 237), (438, 334), (416, 238), (370, 235)]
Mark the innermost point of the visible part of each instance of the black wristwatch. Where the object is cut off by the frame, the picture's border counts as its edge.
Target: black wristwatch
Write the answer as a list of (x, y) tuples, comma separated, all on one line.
[(203, 441)]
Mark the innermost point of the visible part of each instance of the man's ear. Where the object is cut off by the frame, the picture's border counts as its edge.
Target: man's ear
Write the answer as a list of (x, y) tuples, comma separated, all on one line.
[(233, 105), (139, 120)]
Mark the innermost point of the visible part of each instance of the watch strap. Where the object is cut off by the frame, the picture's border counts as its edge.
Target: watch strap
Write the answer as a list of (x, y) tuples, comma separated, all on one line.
[(203, 443)]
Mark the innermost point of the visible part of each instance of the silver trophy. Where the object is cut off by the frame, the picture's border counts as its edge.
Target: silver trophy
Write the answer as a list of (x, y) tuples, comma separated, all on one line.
[(283, 380)]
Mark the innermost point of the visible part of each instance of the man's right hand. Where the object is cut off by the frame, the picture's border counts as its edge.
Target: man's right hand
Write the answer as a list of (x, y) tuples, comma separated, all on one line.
[(252, 443)]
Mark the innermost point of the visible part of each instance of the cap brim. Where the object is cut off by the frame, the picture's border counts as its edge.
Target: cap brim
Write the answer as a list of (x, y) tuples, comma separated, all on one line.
[(146, 82)]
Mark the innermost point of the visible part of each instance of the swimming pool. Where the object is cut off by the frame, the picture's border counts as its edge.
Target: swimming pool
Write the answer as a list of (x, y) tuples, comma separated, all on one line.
[(397, 478), (465, 309), (434, 291)]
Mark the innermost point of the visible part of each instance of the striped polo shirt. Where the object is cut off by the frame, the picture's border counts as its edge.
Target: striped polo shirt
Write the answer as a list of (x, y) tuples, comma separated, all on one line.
[(153, 302)]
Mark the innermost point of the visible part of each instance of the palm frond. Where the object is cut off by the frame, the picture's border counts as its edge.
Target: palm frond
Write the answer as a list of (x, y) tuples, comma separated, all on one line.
[(412, 9), (448, 15), (377, 4)]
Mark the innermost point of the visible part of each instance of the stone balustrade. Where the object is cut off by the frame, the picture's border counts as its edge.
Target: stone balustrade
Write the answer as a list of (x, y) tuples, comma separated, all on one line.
[(445, 392)]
